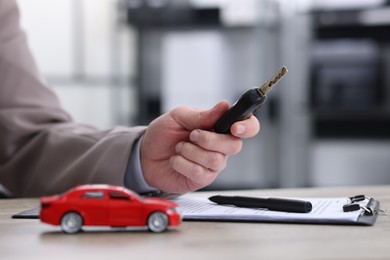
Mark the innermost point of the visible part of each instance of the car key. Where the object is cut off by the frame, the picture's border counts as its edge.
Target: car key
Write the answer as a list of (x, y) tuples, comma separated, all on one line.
[(247, 104)]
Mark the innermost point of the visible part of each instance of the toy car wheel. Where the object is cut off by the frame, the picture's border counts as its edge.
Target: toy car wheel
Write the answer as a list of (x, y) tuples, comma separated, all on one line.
[(71, 222), (158, 222)]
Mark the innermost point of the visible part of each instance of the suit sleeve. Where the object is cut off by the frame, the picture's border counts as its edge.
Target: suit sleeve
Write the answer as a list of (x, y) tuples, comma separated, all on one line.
[(42, 151)]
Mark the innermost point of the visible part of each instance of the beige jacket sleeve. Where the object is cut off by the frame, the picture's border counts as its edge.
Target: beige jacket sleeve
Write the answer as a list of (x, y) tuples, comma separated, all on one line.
[(41, 150)]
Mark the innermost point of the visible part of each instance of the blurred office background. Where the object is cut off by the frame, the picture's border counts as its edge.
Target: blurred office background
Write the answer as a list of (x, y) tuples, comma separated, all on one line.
[(327, 123)]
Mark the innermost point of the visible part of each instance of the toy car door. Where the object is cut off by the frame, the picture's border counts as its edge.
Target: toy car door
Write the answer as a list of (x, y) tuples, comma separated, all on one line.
[(124, 210), (92, 205)]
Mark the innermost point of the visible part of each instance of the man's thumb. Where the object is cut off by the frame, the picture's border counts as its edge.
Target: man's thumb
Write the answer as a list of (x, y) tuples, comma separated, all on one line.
[(201, 119)]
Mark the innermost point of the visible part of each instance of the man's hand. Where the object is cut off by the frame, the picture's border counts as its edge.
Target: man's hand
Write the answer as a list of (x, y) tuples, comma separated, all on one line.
[(180, 153)]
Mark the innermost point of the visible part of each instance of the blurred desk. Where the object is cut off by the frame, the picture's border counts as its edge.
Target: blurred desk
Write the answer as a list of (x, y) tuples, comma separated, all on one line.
[(29, 239)]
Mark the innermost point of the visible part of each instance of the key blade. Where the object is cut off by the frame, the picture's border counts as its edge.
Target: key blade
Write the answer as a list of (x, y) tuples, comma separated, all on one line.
[(267, 86)]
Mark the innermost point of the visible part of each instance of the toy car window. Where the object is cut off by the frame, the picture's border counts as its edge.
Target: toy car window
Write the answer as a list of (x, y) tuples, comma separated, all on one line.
[(118, 196), (93, 195)]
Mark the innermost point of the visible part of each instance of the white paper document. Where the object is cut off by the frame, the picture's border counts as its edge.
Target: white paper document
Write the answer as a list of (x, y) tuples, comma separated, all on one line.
[(325, 210)]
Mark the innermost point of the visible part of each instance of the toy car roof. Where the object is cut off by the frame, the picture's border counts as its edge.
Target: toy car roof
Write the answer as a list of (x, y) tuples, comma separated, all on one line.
[(92, 187)]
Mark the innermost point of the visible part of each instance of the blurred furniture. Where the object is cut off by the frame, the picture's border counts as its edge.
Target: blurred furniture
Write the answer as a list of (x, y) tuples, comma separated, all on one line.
[(350, 90), (349, 96)]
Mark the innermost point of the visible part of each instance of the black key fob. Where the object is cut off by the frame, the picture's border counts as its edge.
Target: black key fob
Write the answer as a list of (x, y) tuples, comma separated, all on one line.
[(245, 106)]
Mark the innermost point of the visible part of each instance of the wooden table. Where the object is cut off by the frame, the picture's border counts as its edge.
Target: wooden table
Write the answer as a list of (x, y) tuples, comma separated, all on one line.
[(29, 239)]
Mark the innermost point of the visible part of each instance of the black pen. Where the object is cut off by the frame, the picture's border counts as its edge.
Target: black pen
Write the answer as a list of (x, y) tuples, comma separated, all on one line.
[(276, 204)]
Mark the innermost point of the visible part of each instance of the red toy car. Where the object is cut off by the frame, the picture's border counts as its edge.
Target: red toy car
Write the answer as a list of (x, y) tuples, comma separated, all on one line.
[(106, 205)]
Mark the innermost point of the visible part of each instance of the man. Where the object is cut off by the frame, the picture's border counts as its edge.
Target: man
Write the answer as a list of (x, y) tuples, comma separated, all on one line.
[(42, 151)]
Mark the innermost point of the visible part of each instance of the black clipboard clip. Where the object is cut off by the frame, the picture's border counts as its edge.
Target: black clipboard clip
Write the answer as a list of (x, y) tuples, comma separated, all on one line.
[(353, 205)]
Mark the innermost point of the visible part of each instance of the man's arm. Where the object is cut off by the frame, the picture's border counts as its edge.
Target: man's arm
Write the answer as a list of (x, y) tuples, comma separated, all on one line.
[(42, 151)]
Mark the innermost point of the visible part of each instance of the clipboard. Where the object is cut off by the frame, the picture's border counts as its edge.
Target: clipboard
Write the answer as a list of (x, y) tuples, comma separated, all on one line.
[(325, 211)]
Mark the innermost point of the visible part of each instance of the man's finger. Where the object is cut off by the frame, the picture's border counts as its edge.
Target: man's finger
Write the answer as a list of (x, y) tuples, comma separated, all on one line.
[(246, 128)]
